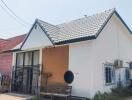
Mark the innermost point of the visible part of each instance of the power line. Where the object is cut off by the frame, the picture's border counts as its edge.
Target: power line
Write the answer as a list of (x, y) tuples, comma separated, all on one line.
[(11, 15), (14, 13)]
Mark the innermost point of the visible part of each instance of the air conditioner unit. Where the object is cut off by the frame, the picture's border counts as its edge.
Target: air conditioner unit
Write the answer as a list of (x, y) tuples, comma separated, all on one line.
[(118, 63)]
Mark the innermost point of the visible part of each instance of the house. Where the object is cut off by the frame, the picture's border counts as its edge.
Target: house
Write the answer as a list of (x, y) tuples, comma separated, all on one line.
[(6, 59), (97, 49)]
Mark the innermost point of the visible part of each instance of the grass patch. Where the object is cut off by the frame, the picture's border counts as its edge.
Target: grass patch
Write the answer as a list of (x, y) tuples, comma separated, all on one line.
[(119, 93)]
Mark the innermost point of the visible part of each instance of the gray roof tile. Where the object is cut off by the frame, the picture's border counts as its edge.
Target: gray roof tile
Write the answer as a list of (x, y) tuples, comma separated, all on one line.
[(83, 27)]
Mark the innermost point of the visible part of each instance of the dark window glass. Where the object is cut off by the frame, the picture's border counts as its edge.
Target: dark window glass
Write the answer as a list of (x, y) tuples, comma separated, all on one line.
[(108, 75), (127, 74)]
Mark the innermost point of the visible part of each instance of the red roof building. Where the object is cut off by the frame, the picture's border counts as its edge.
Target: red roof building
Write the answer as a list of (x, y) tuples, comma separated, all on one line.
[(6, 57)]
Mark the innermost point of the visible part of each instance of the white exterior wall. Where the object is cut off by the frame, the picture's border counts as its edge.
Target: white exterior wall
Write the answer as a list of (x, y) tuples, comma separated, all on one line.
[(86, 58), (36, 39), (81, 63)]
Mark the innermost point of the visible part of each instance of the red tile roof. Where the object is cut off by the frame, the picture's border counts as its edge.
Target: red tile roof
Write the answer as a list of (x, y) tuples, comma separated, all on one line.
[(6, 58), (7, 44)]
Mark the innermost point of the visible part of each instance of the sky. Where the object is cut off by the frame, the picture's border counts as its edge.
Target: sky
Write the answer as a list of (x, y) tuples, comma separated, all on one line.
[(54, 12)]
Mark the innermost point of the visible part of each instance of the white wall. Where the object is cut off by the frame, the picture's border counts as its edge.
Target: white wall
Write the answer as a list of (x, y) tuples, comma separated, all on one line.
[(86, 58), (81, 63), (36, 39)]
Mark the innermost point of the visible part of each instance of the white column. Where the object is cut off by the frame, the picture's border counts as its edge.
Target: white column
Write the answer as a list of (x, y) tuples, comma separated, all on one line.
[(13, 66), (40, 62)]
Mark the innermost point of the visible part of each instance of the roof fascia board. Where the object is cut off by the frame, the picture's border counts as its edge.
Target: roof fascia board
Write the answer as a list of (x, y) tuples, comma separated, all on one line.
[(77, 40), (123, 22)]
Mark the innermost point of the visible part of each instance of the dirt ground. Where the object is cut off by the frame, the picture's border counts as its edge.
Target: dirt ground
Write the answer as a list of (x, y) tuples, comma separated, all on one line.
[(13, 96)]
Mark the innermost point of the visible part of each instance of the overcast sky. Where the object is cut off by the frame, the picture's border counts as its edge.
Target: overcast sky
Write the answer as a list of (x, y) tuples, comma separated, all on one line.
[(55, 12)]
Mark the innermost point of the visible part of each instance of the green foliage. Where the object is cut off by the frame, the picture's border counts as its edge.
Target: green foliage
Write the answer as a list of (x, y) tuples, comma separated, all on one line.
[(118, 93), (122, 91)]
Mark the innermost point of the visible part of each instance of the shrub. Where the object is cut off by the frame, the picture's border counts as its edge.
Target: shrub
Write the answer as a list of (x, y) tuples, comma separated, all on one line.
[(122, 91), (106, 96), (116, 94)]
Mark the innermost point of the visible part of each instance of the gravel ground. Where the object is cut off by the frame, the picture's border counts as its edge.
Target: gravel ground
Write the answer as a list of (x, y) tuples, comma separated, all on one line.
[(13, 96)]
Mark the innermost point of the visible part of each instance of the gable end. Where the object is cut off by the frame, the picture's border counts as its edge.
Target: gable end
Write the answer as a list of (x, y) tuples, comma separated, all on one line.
[(35, 23)]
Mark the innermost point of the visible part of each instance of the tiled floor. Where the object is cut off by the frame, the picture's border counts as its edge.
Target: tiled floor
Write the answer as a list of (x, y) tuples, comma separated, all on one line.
[(13, 96)]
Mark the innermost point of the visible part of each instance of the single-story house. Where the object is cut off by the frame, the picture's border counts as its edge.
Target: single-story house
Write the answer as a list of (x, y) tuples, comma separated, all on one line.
[(97, 49)]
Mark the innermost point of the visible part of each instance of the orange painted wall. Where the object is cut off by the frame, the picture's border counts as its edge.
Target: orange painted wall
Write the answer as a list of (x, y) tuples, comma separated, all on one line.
[(55, 61)]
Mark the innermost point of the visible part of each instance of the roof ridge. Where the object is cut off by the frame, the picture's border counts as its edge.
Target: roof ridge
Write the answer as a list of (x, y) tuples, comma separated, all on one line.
[(112, 10), (57, 26)]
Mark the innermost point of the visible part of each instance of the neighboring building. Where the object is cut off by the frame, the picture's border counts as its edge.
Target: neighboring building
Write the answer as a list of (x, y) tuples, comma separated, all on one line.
[(6, 57), (97, 49)]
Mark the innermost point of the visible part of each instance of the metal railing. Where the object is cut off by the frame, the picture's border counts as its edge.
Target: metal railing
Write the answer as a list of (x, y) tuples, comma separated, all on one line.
[(25, 79)]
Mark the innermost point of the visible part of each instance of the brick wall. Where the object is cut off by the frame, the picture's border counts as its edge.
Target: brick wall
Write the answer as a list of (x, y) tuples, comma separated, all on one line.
[(6, 63)]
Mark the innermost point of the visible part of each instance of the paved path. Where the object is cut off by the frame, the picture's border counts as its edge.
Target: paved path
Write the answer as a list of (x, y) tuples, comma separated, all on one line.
[(129, 98), (13, 96)]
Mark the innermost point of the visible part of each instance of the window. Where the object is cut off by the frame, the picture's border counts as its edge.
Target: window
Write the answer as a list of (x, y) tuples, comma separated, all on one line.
[(127, 74), (35, 57), (27, 59), (19, 59), (109, 74)]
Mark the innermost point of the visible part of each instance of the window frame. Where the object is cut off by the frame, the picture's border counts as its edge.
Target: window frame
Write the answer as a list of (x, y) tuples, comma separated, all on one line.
[(24, 58), (111, 74)]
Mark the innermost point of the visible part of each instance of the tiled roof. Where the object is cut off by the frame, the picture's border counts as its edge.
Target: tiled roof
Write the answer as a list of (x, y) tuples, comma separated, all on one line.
[(83, 27), (50, 29), (7, 44)]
